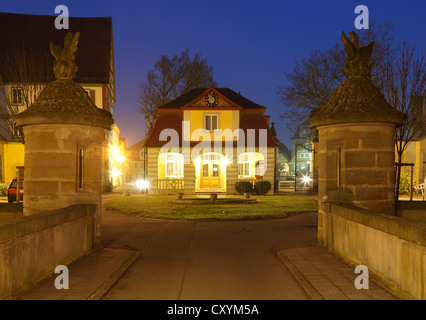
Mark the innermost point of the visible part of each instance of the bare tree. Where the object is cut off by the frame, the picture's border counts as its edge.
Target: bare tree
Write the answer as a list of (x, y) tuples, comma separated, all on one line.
[(404, 88), (23, 74), (398, 70), (172, 77), (312, 81), (314, 78)]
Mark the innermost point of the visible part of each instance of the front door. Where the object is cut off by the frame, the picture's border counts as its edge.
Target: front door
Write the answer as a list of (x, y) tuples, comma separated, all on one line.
[(210, 173)]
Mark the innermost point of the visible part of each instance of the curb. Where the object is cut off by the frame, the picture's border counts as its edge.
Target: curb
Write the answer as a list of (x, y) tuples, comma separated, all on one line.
[(115, 276), (306, 286)]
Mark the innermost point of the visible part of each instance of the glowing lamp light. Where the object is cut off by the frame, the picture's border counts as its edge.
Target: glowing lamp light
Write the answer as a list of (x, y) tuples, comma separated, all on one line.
[(115, 173), (142, 184), (115, 152), (306, 180), (225, 161)]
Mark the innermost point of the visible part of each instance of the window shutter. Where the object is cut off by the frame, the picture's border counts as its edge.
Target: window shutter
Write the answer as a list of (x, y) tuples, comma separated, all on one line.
[(214, 123), (208, 127)]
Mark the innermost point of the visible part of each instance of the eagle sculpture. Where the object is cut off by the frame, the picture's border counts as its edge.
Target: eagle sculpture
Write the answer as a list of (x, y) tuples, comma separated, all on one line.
[(357, 65), (64, 66)]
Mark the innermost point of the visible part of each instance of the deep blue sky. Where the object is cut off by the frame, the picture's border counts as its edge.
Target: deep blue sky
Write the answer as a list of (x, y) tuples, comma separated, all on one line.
[(250, 44)]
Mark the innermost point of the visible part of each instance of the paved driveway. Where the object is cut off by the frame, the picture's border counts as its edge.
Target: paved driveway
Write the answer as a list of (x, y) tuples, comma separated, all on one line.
[(207, 260)]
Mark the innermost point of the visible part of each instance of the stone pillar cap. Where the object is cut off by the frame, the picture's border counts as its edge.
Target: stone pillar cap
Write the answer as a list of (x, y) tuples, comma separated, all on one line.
[(356, 100), (64, 102)]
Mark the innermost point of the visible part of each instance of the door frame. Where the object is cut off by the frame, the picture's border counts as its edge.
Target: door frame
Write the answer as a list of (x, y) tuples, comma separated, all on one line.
[(200, 161)]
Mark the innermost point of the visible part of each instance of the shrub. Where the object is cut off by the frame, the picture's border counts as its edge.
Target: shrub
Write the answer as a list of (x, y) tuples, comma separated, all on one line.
[(243, 186), (404, 183), (262, 187), (3, 189), (107, 187)]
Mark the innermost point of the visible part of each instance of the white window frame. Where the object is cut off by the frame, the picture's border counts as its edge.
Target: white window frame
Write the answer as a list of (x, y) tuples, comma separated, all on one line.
[(246, 162), (211, 115), (176, 165), (19, 96)]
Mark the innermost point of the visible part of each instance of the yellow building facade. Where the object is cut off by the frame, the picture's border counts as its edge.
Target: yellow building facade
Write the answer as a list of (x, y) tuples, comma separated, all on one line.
[(11, 156), (206, 141)]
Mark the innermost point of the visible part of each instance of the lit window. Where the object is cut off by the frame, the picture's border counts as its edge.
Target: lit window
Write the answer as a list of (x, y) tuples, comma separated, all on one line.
[(17, 96), (244, 162), (211, 122), (174, 165)]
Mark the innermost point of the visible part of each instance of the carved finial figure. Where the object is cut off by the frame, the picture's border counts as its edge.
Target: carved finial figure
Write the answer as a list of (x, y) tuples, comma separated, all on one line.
[(64, 66), (357, 65)]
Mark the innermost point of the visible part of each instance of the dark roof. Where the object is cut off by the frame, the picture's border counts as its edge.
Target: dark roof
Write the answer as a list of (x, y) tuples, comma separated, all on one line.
[(93, 56), (256, 121), (165, 120), (5, 131), (286, 152), (137, 146), (173, 120), (197, 92)]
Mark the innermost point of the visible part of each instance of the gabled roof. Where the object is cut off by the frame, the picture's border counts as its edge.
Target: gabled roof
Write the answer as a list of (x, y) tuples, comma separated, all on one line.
[(93, 56), (171, 116), (193, 94)]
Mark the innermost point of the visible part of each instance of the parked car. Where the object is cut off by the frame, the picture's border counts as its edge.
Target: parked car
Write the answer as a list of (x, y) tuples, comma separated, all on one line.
[(11, 190)]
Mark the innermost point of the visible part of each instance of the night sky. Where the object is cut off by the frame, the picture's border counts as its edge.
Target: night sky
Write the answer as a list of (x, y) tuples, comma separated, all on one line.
[(250, 44)]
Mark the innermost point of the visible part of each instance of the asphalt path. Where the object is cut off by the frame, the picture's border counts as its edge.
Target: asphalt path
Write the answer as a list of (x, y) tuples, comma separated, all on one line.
[(188, 260)]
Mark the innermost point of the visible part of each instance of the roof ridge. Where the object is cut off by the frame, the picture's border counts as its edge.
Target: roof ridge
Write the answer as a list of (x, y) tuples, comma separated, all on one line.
[(195, 93)]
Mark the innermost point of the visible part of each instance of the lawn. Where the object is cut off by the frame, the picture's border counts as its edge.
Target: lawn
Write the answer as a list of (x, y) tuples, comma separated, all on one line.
[(161, 207)]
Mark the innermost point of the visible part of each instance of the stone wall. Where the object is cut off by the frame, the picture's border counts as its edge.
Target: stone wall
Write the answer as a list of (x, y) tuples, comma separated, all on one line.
[(31, 247), (393, 248), (413, 210), (51, 166), (359, 158)]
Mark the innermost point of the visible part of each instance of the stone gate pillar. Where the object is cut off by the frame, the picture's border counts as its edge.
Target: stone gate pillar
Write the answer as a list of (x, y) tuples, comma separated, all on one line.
[(64, 132), (356, 148)]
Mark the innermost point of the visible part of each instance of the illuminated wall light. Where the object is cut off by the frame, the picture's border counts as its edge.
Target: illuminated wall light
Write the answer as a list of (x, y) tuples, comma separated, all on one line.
[(115, 173)]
